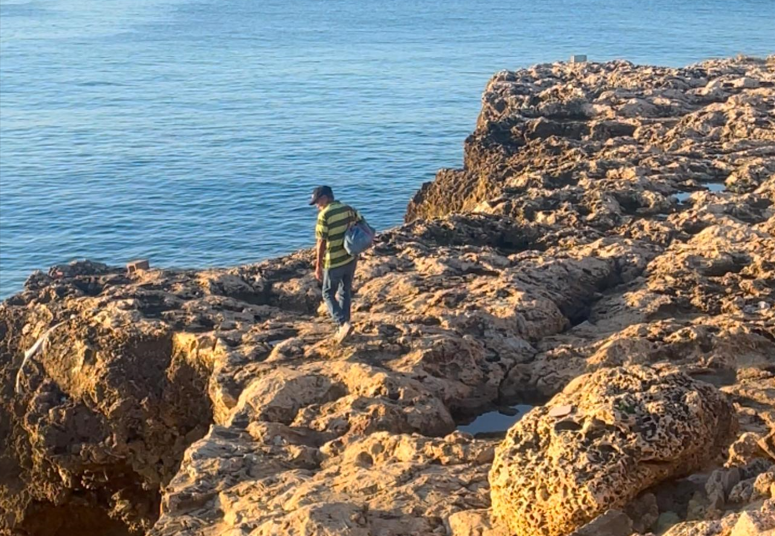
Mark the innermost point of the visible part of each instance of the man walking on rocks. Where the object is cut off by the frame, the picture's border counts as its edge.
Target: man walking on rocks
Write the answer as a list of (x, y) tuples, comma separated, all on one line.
[(333, 265)]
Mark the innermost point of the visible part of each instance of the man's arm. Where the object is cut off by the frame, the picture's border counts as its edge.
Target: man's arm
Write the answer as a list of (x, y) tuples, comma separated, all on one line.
[(321, 233), (320, 250)]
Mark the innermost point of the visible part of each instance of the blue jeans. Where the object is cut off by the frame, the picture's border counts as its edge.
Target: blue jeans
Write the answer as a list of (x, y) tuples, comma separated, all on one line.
[(338, 291)]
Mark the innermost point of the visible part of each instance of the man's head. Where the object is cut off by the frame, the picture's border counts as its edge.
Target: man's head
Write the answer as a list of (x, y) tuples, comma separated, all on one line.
[(321, 196)]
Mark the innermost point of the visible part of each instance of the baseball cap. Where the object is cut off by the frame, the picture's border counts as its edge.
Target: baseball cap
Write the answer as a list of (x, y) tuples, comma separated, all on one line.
[(319, 192)]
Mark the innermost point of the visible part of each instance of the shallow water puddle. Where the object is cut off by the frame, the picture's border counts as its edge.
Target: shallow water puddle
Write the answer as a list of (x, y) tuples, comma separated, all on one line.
[(495, 423), (715, 187)]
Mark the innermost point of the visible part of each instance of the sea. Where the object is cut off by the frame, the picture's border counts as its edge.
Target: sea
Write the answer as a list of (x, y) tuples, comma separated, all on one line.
[(191, 132)]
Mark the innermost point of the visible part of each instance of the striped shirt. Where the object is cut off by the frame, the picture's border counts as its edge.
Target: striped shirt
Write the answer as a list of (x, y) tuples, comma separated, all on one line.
[(333, 222)]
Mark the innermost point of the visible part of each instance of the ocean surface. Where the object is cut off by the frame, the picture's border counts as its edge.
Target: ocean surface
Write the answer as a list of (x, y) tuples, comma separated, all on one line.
[(191, 132)]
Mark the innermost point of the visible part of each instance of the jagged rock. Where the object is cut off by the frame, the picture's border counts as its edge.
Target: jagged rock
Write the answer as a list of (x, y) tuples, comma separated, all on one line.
[(586, 231), (644, 512), (721, 527), (767, 444), (611, 523), (756, 523), (474, 523), (764, 483), (273, 478), (632, 428), (719, 485), (562, 125), (666, 520), (102, 410), (745, 450)]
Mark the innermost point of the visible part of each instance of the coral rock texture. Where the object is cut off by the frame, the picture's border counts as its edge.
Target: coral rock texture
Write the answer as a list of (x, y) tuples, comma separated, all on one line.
[(626, 429), (607, 215)]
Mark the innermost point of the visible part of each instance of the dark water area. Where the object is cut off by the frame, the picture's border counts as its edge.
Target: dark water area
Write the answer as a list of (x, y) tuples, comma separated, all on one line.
[(191, 131), (495, 423)]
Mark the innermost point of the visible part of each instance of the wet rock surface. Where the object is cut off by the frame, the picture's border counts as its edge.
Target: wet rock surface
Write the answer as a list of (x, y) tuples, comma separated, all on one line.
[(215, 402)]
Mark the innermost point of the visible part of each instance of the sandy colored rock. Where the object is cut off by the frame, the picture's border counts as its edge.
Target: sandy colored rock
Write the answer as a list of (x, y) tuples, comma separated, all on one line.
[(745, 449), (634, 427), (756, 522), (606, 215), (474, 523), (272, 477), (611, 523), (767, 444)]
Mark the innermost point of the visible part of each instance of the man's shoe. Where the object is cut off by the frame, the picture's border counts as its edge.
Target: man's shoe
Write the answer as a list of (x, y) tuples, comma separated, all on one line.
[(344, 331)]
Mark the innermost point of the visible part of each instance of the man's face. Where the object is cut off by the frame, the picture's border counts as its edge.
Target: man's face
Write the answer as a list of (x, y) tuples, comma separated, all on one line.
[(322, 202)]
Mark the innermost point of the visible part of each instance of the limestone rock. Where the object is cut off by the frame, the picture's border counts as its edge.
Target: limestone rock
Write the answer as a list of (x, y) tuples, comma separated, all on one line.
[(745, 449), (756, 523), (473, 523), (767, 444), (537, 133), (280, 478), (611, 523), (757, 520), (606, 215), (644, 512), (632, 428), (763, 484), (666, 520)]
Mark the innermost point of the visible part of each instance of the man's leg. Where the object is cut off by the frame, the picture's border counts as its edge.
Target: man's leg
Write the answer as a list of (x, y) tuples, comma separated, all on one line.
[(331, 282), (346, 295)]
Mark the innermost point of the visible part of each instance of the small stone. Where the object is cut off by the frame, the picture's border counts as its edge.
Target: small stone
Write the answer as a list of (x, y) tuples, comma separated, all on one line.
[(666, 520), (767, 444), (560, 411), (697, 507), (612, 523), (469, 523), (746, 83), (755, 468), (644, 512), (714, 484), (719, 485), (764, 483), (730, 479), (756, 523), (742, 492), (745, 450)]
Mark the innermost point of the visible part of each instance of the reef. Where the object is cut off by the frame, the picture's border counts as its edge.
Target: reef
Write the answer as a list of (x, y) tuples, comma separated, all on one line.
[(606, 254)]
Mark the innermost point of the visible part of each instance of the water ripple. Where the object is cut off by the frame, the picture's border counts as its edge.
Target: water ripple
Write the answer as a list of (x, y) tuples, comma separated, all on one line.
[(191, 132)]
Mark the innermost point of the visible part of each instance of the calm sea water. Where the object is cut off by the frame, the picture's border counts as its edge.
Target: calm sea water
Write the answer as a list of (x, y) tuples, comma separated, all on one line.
[(191, 131)]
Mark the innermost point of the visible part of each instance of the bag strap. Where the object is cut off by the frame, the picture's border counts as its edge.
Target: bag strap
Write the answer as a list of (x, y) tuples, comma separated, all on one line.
[(353, 217)]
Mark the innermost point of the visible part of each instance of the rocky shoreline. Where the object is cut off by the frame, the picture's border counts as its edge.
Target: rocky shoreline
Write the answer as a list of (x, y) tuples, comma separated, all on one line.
[(606, 254)]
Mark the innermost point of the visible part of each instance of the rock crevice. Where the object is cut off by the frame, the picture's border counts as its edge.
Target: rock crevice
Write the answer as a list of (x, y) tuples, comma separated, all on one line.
[(612, 222)]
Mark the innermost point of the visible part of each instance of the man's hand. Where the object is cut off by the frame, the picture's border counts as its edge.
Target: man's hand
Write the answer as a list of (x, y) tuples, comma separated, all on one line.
[(319, 273)]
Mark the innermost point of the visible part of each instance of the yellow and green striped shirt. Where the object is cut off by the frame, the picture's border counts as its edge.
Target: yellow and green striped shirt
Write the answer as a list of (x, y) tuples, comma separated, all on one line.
[(333, 222)]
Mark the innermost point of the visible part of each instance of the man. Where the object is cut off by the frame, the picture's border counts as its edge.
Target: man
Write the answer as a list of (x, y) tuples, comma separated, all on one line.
[(333, 265)]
